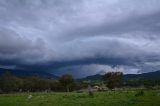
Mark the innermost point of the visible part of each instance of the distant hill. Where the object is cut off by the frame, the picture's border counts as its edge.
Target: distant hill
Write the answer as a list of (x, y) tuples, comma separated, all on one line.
[(144, 76), (93, 77), (29, 73), (150, 76)]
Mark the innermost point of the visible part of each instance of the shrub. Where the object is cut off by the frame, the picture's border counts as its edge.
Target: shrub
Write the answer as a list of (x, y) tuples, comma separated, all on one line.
[(139, 93)]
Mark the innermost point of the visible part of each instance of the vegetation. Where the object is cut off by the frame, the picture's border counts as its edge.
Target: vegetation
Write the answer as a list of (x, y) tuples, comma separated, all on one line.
[(10, 84), (33, 91), (113, 79), (110, 98), (67, 81)]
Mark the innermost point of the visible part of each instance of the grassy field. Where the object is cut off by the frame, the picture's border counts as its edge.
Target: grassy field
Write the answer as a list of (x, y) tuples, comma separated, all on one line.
[(110, 98)]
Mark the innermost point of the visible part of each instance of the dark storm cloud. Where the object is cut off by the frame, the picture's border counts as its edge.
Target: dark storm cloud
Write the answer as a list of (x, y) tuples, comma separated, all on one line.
[(61, 35), (15, 47)]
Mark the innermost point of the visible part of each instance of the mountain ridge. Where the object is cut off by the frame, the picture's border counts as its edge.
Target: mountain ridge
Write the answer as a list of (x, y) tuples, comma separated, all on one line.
[(23, 73), (144, 76)]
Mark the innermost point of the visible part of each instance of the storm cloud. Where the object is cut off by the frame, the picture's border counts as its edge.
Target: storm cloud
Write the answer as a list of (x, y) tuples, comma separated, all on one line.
[(81, 36)]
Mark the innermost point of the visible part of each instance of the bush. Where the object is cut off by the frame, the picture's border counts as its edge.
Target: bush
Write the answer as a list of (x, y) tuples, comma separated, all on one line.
[(139, 93)]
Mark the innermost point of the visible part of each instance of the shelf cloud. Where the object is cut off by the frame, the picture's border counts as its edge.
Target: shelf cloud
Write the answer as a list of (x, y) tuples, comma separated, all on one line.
[(81, 37)]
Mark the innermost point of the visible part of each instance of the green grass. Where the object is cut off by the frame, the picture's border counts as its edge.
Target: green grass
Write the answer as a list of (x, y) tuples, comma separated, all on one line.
[(110, 98)]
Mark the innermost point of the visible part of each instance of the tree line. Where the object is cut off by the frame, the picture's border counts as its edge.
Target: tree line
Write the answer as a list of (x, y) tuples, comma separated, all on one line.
[(10, 83), (115, 80), (66, 83)]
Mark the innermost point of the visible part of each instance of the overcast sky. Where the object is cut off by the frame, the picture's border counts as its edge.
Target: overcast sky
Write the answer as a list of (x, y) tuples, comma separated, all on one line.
[(80, 37)]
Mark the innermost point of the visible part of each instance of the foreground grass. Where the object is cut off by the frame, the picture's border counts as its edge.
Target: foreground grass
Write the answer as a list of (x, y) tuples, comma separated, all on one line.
[(112, 98)]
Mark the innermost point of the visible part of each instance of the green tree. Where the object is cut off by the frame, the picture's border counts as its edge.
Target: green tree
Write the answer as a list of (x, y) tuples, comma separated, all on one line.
[(113, 79), (36, 84), (11, 83), (67, 81)]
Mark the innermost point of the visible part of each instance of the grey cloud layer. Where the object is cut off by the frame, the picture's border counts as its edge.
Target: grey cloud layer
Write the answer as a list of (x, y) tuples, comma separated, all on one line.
[(34, 32), (19, 48)]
